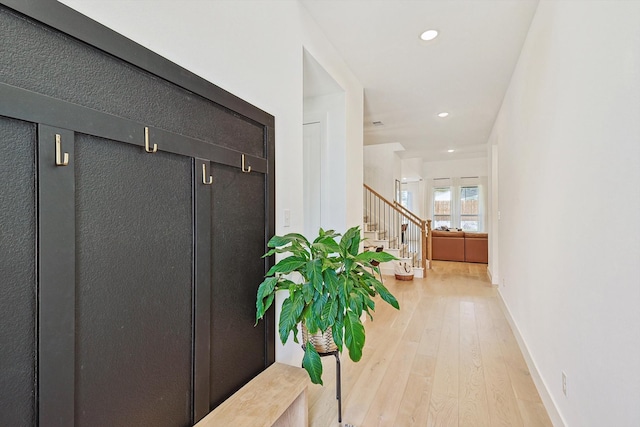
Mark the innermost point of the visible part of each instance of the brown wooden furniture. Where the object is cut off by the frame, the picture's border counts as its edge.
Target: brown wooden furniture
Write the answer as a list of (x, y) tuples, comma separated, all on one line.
[(476, 247), (460, 246), (277, 397), (448, 245)]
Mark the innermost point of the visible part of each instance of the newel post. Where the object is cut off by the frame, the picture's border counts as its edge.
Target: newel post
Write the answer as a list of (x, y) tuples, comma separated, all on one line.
[(429, 243)]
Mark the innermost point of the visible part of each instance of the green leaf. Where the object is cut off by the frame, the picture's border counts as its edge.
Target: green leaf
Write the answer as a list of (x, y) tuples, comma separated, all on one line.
[(350, 242), (329, 312), (307, 292), (269, 253), (286, 284), (288, 320), (355, 244), (365, 293), (348, 264), (367, 285), (312, 363), (369, 306), (318, 305), (353, 335), (298, 305), (322, 234), (368, 256), (337, 330), (356, 302), (314, 269), (385, 294), (265, 289), (343, 293), (330, 278), (327, 245), (290, 316), (287, 265), (311, 321), (295, 248), (279, 241), (268, 301)]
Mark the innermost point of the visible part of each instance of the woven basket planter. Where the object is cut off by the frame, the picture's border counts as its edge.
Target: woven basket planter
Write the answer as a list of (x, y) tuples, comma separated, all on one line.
[(323, 342), (403, 269)]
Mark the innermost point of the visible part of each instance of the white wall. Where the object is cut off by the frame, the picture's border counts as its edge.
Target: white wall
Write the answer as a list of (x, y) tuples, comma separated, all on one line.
[(253, 49), (569, 178), (382, 167), (329, 110), (455, 168), (493, 213), (412, 169), (316, 44)]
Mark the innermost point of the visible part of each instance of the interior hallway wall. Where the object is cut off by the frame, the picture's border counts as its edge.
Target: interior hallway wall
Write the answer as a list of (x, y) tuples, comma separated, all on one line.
[(382, 167), (568, 135)]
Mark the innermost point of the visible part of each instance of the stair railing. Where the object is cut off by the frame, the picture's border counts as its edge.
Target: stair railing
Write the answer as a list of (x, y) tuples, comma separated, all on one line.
[(398, 227), (426, 235)]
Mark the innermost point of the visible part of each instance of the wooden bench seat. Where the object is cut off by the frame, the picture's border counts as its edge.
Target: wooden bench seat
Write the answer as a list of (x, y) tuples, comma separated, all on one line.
[(277, 397)]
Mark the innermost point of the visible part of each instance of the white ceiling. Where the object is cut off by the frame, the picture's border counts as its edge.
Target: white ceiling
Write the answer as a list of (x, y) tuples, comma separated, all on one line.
[(407, 82)]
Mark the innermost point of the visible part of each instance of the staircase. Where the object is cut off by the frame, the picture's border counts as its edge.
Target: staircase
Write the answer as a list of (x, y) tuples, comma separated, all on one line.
[(397, 230)]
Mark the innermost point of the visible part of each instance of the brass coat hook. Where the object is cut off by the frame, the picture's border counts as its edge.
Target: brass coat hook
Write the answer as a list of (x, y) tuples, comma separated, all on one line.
[(247, 170), (204, 176), (146, 142), (61, 160)]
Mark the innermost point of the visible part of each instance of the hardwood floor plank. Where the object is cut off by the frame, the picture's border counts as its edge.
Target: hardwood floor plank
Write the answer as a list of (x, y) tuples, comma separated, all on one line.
[(534, 414), (447, 358), (361, 394), (443, 405), (430, 339), (384, 407), (503, 408), (414, 407), (473, 405), (521, 380)]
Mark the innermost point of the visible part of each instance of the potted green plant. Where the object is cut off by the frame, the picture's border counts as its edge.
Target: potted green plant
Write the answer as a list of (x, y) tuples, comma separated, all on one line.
[(334, 285)]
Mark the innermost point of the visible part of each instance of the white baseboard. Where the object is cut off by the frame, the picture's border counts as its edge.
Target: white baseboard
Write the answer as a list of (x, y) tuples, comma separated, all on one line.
[(490, 275), (547, 400)]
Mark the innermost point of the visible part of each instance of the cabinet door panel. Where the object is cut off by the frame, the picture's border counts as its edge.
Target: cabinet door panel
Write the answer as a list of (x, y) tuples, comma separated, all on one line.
[(134, 285), (238, 242), (17, 272)]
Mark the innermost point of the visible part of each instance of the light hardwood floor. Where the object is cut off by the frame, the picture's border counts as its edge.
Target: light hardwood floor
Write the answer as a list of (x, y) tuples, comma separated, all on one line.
[(447, 358)]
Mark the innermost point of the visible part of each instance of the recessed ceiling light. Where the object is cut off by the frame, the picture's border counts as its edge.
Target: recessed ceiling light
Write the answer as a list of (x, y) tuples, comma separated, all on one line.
[(429, 35), (450, 151), (443, 114)]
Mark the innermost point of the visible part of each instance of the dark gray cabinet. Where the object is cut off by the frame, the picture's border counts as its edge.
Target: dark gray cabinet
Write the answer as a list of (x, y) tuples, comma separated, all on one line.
[(18, 273), (131, 230)]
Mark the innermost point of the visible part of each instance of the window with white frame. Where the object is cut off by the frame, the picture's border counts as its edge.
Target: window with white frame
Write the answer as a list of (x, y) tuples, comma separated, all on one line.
[(406, 199), (469, 208), (442, 207), (458, 203)]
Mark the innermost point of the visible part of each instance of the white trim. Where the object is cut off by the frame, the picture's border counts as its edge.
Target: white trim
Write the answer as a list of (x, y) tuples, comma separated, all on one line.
[(547, 400)]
